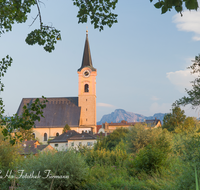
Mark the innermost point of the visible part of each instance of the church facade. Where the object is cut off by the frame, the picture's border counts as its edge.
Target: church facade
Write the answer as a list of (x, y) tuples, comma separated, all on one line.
[(78, 112)]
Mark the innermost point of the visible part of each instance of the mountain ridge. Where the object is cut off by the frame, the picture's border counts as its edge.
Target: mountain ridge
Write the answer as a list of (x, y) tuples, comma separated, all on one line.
[(120, 114)]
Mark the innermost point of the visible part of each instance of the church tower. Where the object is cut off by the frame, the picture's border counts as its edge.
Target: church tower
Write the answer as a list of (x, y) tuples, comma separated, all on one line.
[(87, 89)]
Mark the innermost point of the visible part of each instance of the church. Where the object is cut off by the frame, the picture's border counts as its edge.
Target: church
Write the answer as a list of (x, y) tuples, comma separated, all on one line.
[(78, 112)]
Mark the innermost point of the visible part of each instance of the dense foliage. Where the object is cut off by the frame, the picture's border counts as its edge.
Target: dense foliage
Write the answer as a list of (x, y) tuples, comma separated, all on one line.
[(174, 119), (112, 140), (9, 161), (142, 159), (68, 165), (178, 5), (178, 122)]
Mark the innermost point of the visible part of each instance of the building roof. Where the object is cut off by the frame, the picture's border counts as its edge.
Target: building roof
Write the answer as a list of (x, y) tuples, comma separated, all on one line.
[(98, 127), (30, 143), (83, 136), (31, 147), (152, 122), (64, 137), (101, 134), (87, 59), (58, 112), (122, 123)]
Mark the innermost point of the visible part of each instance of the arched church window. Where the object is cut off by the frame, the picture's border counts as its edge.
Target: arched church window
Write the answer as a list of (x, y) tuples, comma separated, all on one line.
[(57, 134), (34, 135), (86, 88), (45, 136)]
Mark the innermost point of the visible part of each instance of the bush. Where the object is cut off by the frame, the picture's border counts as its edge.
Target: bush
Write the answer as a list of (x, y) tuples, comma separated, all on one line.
[(150, 150), (60, 164), (105, 157), (112, 140), (9, 160), (150, 159), (139, 137), (107, 177)]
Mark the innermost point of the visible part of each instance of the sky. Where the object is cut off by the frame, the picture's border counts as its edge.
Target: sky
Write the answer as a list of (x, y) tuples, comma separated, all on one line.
[(141, 61)]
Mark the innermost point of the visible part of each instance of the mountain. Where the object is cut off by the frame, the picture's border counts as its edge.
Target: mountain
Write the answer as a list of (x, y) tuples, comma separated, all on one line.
[(119, 114)]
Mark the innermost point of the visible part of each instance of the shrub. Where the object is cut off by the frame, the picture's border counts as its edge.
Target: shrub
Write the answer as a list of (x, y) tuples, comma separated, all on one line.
[(150, 149), (139, 137), (105, 157), (59, 164), (9, 160), (107, 177), (111, 141), (150, 159)]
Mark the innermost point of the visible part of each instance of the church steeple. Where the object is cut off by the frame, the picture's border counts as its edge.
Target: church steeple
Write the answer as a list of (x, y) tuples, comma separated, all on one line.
[(87, 89), (87, 59)]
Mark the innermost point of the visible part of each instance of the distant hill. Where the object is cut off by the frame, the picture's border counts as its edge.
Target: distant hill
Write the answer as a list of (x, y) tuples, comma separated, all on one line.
[(119, 114)]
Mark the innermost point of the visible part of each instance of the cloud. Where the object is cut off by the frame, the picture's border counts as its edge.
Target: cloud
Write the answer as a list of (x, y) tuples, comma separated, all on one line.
[(181, 79), (105, 105), (189, 22), (154, 98)]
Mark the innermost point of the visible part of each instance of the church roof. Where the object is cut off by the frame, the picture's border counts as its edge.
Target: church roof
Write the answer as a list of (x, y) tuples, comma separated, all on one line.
[(87, 59), (58, 112)]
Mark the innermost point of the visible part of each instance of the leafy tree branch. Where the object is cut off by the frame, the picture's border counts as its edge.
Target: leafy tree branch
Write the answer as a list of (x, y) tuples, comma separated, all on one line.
[(178, 5), (31, 113), (193, 97)]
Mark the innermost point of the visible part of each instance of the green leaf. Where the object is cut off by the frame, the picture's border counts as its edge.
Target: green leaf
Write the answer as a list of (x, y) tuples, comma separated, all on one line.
[(178, 8), (158, 5), (191, 4), (164, 9)]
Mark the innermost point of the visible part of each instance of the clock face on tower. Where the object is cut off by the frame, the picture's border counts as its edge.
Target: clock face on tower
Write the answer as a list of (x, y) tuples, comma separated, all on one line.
[(86, 73)]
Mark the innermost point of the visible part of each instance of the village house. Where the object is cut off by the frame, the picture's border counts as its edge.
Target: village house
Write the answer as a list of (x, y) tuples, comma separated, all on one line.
[(73, 140), (110, 127), (34, 147)]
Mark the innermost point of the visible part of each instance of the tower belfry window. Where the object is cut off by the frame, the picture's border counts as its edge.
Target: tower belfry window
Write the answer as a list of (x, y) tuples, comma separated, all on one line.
[(86, 89)]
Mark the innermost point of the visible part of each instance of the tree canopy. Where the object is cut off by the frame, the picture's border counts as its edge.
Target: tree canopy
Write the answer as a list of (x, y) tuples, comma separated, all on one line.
[(100, 12), (193, 97), (178, 122), (178, 5), (174, 119)]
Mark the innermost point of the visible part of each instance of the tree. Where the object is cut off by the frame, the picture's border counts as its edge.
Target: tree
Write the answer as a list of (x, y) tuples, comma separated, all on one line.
[(26, 134), (193, 94), (32, 112), (174, 119), (66, 128), (111, 141)]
